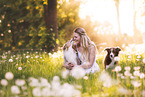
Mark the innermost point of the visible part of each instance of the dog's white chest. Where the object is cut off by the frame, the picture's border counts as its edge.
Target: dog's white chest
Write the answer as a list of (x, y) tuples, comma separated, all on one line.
[(70, 55)]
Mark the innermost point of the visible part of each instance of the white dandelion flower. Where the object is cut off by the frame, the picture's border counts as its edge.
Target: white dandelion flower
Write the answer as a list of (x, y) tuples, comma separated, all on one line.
[(142, 75), (64, 73), (44, 83), (135, 83), (15, 90), (117, 68), (138, 56), (46, 92), (107, 84), (116, 58), (78, 72), (136, 68), (127, 73), (85, 77), (34, 82), (127, 68), (136, 73), (4, 82), (10, 60), (37, 91), (123, 91), (143, 60), (20, 82), (19, 68), (9, 76)]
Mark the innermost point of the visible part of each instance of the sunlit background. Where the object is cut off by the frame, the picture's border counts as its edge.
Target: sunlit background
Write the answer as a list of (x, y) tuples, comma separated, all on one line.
[(105, 10)]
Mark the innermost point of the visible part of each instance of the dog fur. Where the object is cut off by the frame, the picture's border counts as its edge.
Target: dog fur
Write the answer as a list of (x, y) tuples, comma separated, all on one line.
[(70, 53), (110, 61)]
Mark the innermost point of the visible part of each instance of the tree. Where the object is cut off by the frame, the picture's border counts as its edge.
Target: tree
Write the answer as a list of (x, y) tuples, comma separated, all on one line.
[(117, 10), (50, 15)]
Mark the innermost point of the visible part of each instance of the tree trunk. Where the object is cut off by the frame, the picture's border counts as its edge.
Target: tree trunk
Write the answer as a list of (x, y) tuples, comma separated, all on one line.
[(50, 16), (118, 20)]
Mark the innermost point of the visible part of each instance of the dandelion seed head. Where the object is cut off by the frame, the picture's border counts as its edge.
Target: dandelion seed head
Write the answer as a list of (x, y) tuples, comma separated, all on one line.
[(15, 90), (9, 76), (78, 72), (4, 82), (20, 82)]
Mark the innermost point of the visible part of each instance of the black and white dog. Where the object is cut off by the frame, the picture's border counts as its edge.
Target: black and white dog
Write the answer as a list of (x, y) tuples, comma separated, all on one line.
[(111, 59)]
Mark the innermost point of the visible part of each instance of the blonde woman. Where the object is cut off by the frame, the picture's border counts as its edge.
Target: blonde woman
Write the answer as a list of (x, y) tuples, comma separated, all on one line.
[(86, 52)]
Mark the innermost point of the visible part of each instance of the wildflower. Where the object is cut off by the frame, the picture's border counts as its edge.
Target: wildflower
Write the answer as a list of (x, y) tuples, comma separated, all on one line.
[(4, 82), (136, 73), (27, 57), (132, 77), (10, 60), (136, 68), (19, 68), (117, 68), (64, 73), (15, 89), (123, 91), (119, 74), (143, 60), (9, 75), (86, 77), (20, 82), (142, 75), (136, 84), (129, 56), (143, 93), (44, 83), (127, 73), (55, 85), (127, 68), (116, 58), (104, 75), (46, 92), (107, 84), (36, 57), (138, 56), (33, 82), (123, 77), (37, 91), (78, 72)]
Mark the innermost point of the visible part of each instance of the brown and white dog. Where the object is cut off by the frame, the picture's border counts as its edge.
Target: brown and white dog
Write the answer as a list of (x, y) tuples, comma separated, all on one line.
[(111, 59)]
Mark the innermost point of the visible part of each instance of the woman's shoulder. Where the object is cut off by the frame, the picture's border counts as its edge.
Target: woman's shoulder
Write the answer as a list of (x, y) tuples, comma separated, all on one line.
[(92, 45)]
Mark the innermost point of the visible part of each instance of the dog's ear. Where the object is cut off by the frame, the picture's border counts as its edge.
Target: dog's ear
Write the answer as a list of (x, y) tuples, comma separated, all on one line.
[(118, 48), (107, 49)]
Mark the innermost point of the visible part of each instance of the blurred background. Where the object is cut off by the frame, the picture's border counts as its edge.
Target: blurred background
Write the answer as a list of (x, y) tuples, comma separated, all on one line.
[(48, 24)]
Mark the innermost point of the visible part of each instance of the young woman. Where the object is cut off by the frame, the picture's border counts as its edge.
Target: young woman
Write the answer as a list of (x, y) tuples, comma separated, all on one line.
[(86, 52)]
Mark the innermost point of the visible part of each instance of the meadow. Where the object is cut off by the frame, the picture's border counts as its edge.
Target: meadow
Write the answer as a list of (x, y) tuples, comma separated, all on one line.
[(36, 73)]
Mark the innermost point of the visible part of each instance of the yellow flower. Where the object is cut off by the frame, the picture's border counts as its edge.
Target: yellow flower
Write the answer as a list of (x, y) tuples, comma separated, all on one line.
[(57, 41), (45, 3), (27, 7), (13, 48), (36, 7), (20, 43)]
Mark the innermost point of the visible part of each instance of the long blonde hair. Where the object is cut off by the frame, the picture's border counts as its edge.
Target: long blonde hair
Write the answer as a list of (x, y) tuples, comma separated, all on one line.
[(86, 43)]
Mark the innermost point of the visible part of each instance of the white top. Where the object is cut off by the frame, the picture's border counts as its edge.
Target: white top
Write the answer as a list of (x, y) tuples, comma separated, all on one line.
[(95, 66)]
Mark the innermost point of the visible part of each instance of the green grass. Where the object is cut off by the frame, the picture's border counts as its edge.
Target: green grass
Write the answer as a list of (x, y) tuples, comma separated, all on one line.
[(41, 64)]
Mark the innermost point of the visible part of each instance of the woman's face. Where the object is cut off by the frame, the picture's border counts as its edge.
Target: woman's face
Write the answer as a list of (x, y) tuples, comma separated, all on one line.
[(77, 38)]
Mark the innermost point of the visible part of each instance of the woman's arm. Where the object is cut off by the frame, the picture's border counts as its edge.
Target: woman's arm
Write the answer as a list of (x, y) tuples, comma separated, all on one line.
[(66, 64), (92, 55)]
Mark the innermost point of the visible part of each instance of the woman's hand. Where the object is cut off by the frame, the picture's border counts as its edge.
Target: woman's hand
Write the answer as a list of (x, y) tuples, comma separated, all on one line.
[(69, 66)]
